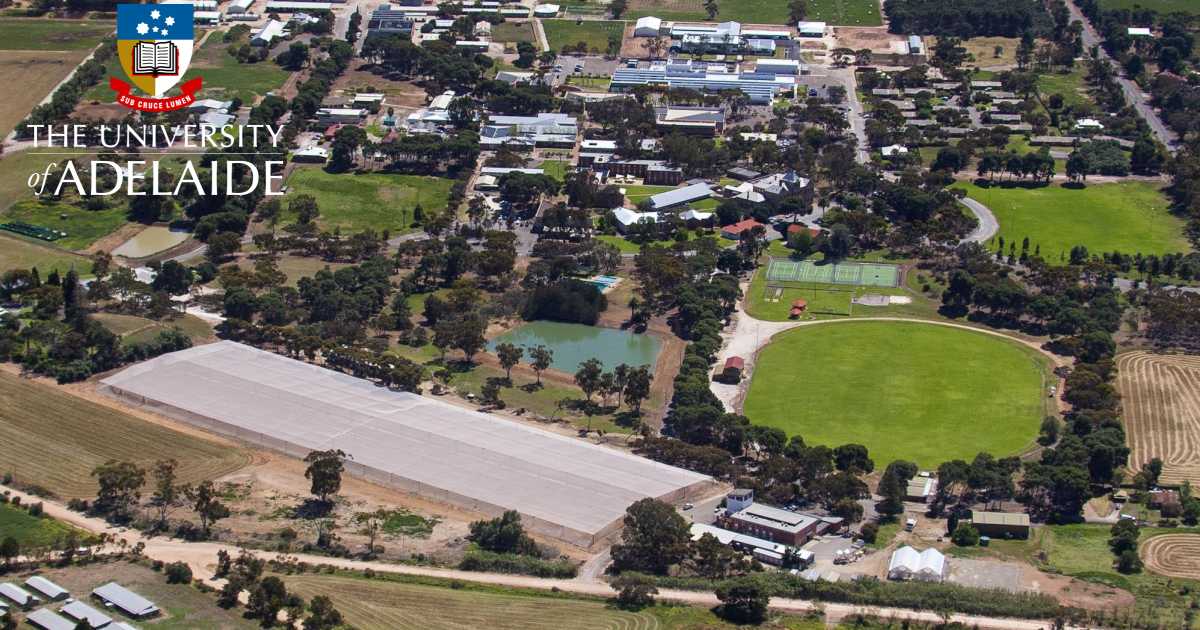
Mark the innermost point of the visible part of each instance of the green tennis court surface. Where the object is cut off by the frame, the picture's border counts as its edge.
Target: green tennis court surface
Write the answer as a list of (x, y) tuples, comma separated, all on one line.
[(855, 273)]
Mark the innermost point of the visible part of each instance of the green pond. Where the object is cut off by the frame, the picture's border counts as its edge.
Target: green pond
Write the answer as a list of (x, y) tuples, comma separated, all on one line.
[(575, 343)]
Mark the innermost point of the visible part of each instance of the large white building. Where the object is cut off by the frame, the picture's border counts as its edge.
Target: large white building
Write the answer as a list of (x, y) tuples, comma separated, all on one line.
[(648, 26), (565, 488)]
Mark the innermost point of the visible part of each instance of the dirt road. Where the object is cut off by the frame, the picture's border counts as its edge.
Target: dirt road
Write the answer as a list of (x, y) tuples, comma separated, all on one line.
[(201, 557)]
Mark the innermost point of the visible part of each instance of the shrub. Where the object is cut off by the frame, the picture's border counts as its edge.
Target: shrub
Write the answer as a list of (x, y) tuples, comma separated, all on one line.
[(634, 591), (965, 535), (178, 573), (869, 532), (487, 561), (37, 509), (743, 601), (1129, 562)]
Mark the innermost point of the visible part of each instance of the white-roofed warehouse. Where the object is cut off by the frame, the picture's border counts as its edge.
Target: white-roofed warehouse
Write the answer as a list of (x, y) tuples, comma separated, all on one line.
[(563, 487)]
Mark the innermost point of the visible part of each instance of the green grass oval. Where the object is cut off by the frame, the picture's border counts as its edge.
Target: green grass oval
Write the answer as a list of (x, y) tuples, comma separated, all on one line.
[(905, 390)]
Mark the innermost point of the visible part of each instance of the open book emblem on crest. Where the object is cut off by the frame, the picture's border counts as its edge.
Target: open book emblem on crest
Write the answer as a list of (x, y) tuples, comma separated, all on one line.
[(154, 45)]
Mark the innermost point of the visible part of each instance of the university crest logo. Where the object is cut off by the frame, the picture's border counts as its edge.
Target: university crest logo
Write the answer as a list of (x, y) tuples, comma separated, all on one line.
[(154, 46)]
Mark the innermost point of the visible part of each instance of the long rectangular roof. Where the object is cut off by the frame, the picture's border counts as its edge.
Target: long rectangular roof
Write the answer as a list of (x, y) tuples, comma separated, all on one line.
[(49, 620), (442, 448), (46, 587), (125, 599)]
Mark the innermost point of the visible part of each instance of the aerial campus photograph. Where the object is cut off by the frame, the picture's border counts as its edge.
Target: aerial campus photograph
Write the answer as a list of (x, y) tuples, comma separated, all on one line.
[(600, 314)]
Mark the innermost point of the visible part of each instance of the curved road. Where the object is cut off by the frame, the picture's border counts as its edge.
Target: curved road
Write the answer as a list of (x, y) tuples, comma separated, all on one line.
[(988, 225)]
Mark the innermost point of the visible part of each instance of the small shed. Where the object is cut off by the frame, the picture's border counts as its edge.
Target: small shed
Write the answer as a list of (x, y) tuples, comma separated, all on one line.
[(732, 371), (798, 308)]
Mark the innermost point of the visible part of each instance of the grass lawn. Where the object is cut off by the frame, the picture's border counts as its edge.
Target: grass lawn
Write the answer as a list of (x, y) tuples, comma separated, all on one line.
[(399, 602), (17, 252), (41, 34), (376, 201), (33, 531), (556, 169), (629, 247), (835, 12), (83, 227), (904, 390), (984, 50), (133, 329), (513, 32), (595, 84), (1129, 217), (55, 439), (1081, 551), (1072, 86), (594, 33)]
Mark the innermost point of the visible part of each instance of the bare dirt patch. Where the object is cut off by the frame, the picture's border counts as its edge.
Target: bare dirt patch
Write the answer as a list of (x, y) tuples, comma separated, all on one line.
[(1161, 401), (36, 72), (873, 38), (1173, 555)]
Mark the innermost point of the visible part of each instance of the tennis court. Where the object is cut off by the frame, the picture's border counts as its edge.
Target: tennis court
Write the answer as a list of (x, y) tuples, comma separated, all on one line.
[(854, 273)]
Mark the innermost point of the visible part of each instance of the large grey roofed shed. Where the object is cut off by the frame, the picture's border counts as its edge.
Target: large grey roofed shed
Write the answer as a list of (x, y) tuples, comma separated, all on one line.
[(78, 610), (563, 487), (47, 588), (47, 619), (129, 602)]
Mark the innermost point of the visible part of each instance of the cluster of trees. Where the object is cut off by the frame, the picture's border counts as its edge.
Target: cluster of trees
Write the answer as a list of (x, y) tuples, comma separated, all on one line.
[(566, 300), (628, 384), (1076, 305), (1173, 318), (1098, 157), (966, 18), (1038, 165), (503, 546), (269, 598), (61, 339), (315, 88), (119, 497)]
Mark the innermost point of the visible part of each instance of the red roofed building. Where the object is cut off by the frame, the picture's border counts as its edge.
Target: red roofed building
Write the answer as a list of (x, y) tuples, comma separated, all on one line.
[(797, 227), (798, 308), (734, 231), (732, 372)]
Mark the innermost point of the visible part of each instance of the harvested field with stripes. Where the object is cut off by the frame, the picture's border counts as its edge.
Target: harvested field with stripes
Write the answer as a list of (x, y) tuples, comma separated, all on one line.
[(387, 605), (1173, 555), (1160, 398), (54, 439)]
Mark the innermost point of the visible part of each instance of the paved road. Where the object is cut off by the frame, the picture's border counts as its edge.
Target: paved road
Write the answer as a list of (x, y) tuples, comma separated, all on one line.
[(1133, 93), (201, 557), (988, 225), (857, 118)]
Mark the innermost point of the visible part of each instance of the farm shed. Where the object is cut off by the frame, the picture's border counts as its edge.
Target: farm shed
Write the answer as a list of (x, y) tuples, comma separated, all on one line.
[(1001, 524), (47, 619), (565, 488), (127, 601), (48, 590)]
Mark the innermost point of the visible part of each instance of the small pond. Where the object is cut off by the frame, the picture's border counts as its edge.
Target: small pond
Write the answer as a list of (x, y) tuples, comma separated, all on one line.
[(575, 343), (150, 241)]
